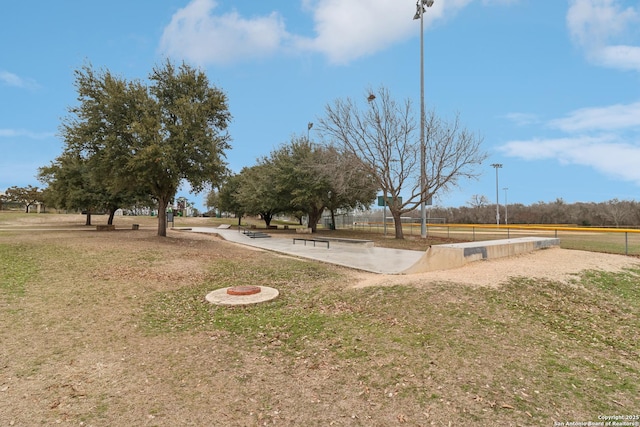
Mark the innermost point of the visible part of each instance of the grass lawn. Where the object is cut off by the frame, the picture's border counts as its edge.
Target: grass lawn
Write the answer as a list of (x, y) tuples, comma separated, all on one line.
[(112, 328)]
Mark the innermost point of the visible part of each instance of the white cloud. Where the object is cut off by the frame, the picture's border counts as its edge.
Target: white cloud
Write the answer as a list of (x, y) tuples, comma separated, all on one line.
[(13, 133), (621, 57), (603, 153), (606, 139), (522, 119), (344, 30), (599, 27), (614, 117), (348, 29), (195, 34), (14, 80)]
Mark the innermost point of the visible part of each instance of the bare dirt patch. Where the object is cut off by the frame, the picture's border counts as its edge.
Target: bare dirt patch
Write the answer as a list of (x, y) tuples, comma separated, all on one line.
[(549, 264)]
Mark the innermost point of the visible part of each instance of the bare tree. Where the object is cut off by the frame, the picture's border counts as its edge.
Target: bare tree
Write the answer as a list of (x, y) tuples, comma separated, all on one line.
[(478, 203), (384, 136), (616, 210)]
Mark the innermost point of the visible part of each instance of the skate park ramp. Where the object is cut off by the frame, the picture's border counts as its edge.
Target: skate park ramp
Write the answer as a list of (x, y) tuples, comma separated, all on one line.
[(387, 260), (446, 256)]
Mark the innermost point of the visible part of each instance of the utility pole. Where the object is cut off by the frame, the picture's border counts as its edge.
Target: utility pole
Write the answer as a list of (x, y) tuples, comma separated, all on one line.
[(423, 150), (497, 166)]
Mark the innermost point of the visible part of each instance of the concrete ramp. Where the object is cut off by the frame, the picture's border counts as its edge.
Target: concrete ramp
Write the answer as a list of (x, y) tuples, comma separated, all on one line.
[(443, 257)]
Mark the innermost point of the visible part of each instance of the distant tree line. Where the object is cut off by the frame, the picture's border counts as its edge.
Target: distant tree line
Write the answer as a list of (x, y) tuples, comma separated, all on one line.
[(341, 186), (612, 213)]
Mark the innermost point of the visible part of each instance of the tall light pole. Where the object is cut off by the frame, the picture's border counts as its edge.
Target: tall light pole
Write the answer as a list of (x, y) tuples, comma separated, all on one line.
[(309, 126), (497, 166), (506, 207), (423, 149)]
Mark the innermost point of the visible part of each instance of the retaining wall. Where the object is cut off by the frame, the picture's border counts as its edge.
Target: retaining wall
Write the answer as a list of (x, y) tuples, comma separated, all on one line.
[(443, 257)]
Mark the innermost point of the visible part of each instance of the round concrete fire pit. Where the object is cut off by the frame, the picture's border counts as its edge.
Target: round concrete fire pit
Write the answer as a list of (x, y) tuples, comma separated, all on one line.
[(241, 295), (244, 290)]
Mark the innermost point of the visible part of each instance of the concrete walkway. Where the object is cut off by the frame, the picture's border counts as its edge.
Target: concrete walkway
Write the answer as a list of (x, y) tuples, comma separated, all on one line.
[(375, 260)]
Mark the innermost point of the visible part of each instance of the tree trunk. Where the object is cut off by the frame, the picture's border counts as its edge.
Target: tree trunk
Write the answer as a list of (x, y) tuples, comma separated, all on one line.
[(267, 217), (239, 220), (88, 220), (112, 213), (397, 222), (314, 216), (162, 217)]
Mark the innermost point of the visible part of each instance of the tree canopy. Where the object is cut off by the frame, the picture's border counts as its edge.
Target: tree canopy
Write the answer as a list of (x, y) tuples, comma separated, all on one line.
[(148, 138), (26, 196), (299, 177), (226, 199), (256, 193), (73, 184)]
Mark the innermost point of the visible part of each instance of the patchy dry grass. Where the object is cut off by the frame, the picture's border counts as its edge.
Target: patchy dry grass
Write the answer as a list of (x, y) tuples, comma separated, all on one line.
[(113, 329)]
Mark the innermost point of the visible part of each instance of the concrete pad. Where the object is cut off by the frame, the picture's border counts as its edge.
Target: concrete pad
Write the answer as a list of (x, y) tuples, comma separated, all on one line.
[(359, 257), (443, 257), (392, 261)]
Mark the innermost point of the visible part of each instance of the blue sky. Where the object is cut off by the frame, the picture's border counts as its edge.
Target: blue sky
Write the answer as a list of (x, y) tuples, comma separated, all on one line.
[(553, 87)]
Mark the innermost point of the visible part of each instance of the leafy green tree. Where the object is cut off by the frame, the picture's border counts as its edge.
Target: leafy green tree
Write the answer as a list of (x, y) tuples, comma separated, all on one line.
[(150, 138), (227, 199), (26, 196), (73, 184), (212, 201), (256, 192), (69, 185), (302, 179), (313, 177), (297, 180), (351, 184)]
